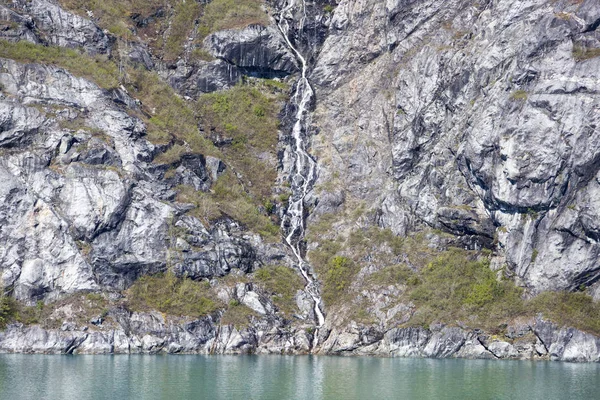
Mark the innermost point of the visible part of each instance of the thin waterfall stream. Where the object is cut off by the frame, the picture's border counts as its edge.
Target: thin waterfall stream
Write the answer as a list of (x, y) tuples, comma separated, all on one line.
[(305, 167)]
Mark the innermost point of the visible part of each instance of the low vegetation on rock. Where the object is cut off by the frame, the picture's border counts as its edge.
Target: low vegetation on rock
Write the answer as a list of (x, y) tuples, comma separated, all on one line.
[(98, 69), (167, 25), (453, 286), (283, 284), (7, 310), (171, 295), (244, 119), (238, 315)]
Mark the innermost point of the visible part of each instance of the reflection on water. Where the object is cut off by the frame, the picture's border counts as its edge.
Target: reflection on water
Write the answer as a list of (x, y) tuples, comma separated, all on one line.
[(289, 377)]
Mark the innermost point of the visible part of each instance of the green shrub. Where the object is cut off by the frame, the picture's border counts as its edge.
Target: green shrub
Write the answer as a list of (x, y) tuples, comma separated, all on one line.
[(459, 285), (337, 278), (7, 310), (269, 206), (583, 53), (534, 255), (284, 198), (283, 283), (229, 14), (518, 95), (238, 315), (249, 116), (172, 295), (482, 293), (172, 155), (398, 274), (246, 110), (320, 256), (30, 315), (182, 22), (98, 69), (171, 115), (577, 310)]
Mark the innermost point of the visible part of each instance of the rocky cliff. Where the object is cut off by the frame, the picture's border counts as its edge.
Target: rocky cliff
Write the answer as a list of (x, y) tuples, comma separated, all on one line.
[(403, 178)]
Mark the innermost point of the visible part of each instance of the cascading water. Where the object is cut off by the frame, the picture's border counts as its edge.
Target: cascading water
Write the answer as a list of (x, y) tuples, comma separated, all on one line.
[(305, 167)]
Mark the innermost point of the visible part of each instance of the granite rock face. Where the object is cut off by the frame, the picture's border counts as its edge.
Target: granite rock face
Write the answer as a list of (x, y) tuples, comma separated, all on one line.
[(478, 119), (83, 208), (474, 118), (44, 21), (124, 332), (256, 50)]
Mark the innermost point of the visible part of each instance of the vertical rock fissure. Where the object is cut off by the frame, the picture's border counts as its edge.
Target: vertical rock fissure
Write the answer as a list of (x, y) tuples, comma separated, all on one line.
[(304, 171)]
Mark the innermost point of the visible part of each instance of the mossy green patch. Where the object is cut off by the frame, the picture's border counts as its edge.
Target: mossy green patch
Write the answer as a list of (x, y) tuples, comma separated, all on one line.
[(115, 15), (581, 53), (172, 296), (458, 285), (518, 95), (228, 198), (337, 278), (283, 284), (8, 309), (229, 14), (334, 270), (185, 13), (569, 309), (172, 118), (166, 25), (248, 116), (82, 307), (238, 315), (397, 274), (98, 69)]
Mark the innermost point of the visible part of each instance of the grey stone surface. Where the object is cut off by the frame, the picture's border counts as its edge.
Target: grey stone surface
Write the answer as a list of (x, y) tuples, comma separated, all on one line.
[(257, 50), (83, 208), (44, 21), (476, 118), (130, 333)]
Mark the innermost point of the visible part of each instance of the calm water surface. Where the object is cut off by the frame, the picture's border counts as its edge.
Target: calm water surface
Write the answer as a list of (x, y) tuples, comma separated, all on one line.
[(282, 377)]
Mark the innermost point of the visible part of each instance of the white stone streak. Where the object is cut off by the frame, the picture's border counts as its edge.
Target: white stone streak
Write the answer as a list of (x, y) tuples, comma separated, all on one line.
[(305, 166)]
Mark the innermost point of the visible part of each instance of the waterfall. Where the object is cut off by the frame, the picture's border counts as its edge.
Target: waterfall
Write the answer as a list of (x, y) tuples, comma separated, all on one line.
[(305, 167)]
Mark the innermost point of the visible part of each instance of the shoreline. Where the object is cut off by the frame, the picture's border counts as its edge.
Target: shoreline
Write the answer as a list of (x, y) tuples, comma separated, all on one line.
[(541, 341)]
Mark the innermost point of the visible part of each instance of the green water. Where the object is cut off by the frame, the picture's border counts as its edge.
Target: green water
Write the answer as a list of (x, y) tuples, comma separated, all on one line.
[(282, 377)]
